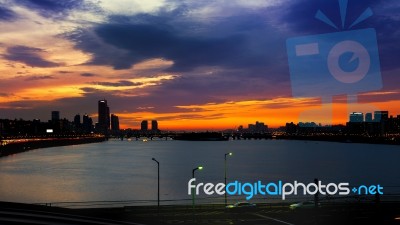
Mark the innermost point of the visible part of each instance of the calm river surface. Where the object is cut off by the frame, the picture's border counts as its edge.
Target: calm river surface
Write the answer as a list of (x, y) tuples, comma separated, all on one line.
[(123, 170)]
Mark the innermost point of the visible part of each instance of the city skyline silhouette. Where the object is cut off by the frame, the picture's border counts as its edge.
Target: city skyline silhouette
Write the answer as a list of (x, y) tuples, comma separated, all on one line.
[(180, 63)]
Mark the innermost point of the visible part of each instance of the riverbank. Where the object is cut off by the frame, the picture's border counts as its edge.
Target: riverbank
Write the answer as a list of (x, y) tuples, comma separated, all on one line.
[(27, 145), (344, 139)]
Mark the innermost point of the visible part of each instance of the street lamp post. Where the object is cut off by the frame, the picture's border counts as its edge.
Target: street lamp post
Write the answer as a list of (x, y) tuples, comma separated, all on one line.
[(193, 195), (158, 183), (226, 154)]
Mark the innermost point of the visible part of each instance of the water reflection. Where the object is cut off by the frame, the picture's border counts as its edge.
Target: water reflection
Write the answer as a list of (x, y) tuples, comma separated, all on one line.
[(118, 170)]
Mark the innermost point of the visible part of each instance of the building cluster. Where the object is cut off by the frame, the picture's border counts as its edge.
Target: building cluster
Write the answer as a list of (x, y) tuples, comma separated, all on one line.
[(107, 124), (257, 128), (311, 128), (144, 127), (55, 125), (377, 123), (80, 125)]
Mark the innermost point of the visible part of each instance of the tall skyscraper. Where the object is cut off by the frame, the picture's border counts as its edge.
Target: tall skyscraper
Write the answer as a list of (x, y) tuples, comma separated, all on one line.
[(154, 125), (77, 120), (77, 123), (144, 125), (114, 123), (55, 116), (357, 117), (87, 123), (103, 117)]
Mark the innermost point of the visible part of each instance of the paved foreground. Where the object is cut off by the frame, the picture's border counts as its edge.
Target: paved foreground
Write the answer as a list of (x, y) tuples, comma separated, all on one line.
[(354, 214)]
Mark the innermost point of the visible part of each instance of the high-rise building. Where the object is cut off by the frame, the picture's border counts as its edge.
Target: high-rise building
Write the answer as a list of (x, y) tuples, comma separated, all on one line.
[(77, 120), (55, 116), (55, 121), (144, 125), (381, 116), (154, 125), (87, 123), (77, 123), (368, 117), (103, 117), (114, 123), (356, 117)]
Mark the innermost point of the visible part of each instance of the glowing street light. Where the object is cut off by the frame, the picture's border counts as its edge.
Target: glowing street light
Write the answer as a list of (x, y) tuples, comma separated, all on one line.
[(158, 183), (226, 154), (193, 195)]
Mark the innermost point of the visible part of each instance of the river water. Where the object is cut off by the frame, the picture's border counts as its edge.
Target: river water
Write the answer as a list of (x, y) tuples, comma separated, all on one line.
[(123, 170)]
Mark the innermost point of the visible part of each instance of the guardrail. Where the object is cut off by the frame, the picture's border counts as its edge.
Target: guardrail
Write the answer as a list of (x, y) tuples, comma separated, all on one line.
[(219, 201)]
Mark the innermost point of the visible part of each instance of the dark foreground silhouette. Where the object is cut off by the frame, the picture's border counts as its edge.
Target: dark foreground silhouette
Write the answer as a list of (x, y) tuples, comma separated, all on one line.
[(344, 213)]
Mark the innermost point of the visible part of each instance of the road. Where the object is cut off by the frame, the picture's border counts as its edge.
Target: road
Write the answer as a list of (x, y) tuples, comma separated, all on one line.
[(352, 214)]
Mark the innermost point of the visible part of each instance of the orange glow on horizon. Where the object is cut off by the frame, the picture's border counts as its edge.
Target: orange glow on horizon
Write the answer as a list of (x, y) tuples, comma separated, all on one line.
[(231, 115)]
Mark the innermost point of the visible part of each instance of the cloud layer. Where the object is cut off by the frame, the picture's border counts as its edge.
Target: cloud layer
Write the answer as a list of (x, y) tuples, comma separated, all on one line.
[(153, 58), (29, 56)]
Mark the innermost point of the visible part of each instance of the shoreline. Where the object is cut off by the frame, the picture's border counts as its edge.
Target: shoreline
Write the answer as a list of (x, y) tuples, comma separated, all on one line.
[(343, 139), (24, 146), (20, 147)]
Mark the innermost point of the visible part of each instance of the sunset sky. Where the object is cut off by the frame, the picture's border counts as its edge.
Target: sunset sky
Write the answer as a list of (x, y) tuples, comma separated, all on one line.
[(198, 65)]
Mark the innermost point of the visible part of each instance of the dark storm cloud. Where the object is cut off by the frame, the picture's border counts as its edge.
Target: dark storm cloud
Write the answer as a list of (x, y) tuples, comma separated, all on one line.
[(29, 56), (251, 52), (141, 42), (7, 14), (33, 78), (233, 42), (53, 8), (121, 83)]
